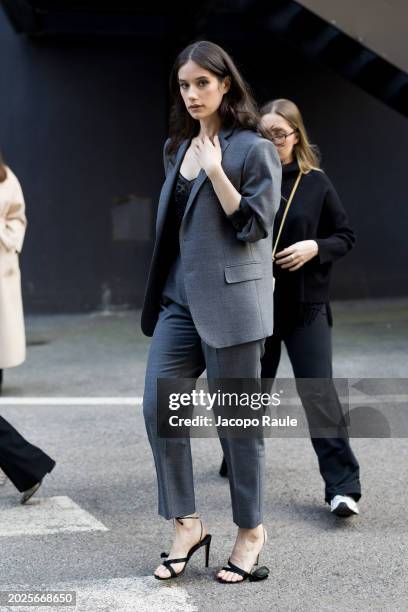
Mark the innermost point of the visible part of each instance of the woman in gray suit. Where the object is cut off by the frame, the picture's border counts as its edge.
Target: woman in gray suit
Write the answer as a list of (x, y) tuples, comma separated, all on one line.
[(209, 292)]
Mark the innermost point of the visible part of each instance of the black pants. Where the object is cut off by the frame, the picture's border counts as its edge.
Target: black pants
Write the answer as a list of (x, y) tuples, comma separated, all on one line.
[(310, 352), (22, 462)]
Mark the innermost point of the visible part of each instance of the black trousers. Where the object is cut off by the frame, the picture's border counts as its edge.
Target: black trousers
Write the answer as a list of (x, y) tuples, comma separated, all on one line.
[(22, 462), (310, 352)]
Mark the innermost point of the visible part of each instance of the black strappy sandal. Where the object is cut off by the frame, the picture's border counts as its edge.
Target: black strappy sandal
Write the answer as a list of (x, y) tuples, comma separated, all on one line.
[(202, 542), (261, 573)]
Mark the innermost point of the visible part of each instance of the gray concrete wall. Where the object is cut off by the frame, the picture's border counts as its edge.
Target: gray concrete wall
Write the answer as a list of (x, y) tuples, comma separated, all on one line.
[(82, 125), (363, 145)]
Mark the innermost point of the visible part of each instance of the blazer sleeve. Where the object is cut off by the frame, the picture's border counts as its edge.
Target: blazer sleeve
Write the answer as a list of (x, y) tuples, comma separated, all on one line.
[(260, 193), (335, 224), (13, 224)]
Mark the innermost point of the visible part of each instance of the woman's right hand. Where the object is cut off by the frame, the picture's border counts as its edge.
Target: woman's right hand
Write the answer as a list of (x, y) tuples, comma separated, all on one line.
[(208, 154), (296, 255)]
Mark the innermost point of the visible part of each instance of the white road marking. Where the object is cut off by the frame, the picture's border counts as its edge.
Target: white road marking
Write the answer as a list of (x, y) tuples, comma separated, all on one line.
[(359, 399), (141, 594), (138, 400), (42, 516), (71, 401)]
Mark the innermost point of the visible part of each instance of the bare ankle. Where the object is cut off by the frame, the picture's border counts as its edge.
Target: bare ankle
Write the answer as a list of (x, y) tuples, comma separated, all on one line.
[(253, 535), (189, 523)]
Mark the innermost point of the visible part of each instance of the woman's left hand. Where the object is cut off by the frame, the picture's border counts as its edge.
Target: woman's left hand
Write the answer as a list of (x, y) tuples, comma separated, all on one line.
[(296, 255), (208, 154)]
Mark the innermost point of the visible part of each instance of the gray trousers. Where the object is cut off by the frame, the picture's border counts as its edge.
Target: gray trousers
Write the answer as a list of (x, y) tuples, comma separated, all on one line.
[(177, 351)]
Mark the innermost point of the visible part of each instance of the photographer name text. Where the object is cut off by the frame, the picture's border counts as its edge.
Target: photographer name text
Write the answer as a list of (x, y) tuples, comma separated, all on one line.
[(207, 421)]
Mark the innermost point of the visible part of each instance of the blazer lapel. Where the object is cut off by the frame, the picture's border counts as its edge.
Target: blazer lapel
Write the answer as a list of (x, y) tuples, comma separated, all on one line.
[(168, 187), (223, 136), (194, 190)]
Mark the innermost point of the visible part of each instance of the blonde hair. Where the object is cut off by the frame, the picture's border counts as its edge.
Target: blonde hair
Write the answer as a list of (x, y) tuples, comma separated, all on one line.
[(307, 155)]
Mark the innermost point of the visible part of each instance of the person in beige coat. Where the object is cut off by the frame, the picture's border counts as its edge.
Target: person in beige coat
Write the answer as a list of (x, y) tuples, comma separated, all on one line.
[(13, 224), (25, 464)]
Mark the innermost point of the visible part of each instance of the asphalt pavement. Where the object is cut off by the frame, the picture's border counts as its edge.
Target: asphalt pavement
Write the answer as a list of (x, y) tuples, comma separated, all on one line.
[(93, 528)]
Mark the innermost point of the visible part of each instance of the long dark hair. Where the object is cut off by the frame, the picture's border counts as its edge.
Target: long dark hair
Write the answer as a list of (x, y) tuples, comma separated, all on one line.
[(237, 109), (3, 171)]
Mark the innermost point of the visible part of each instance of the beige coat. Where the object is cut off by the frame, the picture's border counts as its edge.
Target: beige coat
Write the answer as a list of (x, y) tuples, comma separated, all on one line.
[(12, 229)]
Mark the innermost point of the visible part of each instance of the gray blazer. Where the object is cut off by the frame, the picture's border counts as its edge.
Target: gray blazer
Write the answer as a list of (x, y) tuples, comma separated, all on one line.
[(227, 260)]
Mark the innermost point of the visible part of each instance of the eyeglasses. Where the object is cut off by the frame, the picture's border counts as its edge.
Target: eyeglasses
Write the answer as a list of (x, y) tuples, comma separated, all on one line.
[(279, 137)]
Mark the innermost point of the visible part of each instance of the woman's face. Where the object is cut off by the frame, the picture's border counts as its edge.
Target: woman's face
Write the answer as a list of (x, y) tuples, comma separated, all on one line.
[(282, 134), (201, 90)]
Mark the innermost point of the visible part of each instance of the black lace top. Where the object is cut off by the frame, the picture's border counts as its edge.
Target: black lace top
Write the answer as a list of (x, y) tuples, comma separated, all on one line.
[(180, 198), (175, 213)]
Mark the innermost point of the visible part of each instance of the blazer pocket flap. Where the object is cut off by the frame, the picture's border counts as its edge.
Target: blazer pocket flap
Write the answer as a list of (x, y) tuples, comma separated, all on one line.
[(243, 272)]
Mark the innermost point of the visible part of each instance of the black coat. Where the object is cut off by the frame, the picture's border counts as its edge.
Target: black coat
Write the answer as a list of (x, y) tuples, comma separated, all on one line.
[(316, 213)]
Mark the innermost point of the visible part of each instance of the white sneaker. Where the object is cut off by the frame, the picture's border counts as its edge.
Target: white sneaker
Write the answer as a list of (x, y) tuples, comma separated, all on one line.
[(344, 506)]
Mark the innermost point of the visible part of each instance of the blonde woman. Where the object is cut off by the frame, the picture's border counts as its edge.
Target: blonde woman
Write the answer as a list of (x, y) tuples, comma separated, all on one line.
[(315, 233), (12, 229)]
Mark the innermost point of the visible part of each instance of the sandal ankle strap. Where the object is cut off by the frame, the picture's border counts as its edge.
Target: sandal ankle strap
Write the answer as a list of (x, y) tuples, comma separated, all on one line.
[(179, 520)]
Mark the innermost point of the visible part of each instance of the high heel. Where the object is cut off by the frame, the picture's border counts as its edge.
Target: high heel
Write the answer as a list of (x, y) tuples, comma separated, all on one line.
[(206, 541), (261, 573)]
